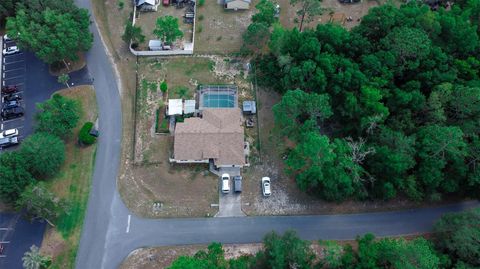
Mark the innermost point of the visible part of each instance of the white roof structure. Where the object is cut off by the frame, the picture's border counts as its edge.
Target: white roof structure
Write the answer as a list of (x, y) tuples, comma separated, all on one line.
[(141, 2), (189, 106), (175, 107)]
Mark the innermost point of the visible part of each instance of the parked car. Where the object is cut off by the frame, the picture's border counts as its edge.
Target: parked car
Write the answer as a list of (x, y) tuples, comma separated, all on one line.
[(9, 89), (8, 141), (166, 2), (266, 186), (277, 11), (11, 113), (349, 1), (11, 104), (11, 50), (237, 180), (6, 38), (12, 97), (9, 133), (225, 183)]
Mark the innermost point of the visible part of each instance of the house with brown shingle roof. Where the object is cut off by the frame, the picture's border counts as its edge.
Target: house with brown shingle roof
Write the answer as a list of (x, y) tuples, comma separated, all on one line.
[(218, 136)]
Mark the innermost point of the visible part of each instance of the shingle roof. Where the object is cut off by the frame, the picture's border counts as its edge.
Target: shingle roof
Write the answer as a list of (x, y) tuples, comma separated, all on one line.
[(218, 135)]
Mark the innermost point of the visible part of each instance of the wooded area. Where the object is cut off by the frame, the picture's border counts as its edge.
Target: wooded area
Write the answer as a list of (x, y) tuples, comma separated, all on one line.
[(390, 108)]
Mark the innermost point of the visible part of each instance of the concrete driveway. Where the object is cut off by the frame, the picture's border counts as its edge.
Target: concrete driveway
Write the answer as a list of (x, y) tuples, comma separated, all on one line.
[(230, 204)]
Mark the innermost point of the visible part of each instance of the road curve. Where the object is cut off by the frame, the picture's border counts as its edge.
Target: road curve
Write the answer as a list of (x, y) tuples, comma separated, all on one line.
[(110, 233)]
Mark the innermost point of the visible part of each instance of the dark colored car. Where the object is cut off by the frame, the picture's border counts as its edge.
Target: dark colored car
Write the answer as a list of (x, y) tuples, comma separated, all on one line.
[(9, 89), (11, 104), (237, 183), (349, 1), (13, 112), (12, 97)]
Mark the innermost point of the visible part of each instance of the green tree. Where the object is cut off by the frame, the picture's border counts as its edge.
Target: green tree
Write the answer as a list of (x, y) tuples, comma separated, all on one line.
[(44, 153), (287, 251), (164, 86), (265, 14), (308, 9), (52, 34), (133, 33), (296, 108), (14, 176), (58, 116), (33, 259), (255, 37), (39, 202), (167, 29), (458, 234), (63, 79), (437, 147), (213, 258)]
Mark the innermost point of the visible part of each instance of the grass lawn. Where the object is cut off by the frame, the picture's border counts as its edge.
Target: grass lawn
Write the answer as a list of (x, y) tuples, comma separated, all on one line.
[(73, 184)]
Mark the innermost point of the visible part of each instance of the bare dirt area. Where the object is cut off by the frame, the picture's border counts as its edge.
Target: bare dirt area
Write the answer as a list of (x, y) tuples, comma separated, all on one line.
[(220, 31), (356, 11), (162, 257), (147, 21)]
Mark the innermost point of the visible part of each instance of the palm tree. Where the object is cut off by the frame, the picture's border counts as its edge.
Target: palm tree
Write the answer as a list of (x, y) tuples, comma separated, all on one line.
[(34, 260)]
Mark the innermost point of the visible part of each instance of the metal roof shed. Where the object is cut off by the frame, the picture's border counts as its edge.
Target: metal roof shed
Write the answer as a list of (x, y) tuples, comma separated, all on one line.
[(249, 107), (175, 107), (189, 106)]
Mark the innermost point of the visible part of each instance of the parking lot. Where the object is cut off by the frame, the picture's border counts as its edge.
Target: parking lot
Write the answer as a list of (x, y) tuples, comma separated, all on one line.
[(35, 85), (17, 235), (13, 73)]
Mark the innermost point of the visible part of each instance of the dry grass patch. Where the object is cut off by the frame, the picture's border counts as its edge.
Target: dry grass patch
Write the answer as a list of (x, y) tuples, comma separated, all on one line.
[(220, 31), (73, 184)]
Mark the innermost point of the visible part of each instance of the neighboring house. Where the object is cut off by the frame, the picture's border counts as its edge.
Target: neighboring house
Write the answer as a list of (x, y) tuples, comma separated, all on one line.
[(147, 5), (217, 136), (237, 4)]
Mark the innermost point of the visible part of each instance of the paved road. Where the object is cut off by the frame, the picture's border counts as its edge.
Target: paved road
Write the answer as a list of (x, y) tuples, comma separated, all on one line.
[(110, 233)]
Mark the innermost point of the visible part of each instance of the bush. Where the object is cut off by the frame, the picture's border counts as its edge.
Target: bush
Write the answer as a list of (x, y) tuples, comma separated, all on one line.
[(200, 17), (201, 3), (44, 153), (164, 86), (84, 137)]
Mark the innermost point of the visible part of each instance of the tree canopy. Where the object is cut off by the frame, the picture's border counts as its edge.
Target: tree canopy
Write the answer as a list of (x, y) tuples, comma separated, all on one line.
[(58, 116), (53, 30), (167, 29), (392, 105)]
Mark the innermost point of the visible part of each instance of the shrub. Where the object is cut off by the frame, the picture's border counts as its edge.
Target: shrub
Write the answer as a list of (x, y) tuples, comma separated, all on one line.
[(121, 4), (201, 3), (199, 28), (84, 137), (200, 17), (164, 86)]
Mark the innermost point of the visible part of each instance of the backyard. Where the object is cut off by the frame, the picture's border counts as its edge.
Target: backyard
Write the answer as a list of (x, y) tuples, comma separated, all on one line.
[(219, 31), (147, 21)]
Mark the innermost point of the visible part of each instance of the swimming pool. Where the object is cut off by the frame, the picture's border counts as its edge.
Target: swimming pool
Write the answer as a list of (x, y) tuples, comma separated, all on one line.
[(213, 100)]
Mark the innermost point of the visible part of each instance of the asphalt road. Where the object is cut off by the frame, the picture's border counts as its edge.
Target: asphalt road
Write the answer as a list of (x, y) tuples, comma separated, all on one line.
[(110, 233)]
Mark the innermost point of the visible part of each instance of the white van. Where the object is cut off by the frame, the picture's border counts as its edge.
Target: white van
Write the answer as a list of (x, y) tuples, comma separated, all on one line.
[(225, 183)]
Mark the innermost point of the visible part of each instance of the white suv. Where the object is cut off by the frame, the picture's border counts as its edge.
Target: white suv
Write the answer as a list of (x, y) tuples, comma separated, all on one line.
[(9, 133), (266, 186), (10, 50), (225, 183)]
